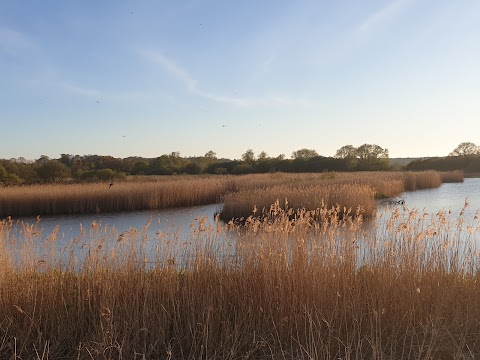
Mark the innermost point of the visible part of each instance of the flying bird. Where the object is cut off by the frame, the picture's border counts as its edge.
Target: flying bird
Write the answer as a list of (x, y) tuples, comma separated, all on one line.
[(111, 184)]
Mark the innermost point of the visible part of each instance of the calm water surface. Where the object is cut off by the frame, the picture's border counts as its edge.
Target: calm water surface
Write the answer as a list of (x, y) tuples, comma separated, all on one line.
[(180, 224), (450, 196)]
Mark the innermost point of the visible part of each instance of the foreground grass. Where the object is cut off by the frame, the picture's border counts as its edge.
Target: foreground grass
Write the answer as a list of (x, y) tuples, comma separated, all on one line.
[(282, 287), (175, 191)]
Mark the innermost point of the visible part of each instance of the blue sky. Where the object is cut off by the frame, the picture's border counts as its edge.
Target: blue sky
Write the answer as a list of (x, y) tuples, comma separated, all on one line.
[(146, 78)]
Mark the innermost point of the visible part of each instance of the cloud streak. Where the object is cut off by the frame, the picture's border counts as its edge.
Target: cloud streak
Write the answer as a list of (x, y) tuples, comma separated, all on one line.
[(192, 85), (381, 17), (170, 67)]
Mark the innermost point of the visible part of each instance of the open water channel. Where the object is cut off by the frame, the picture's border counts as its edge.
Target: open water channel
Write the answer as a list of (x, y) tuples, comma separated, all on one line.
[(179, 223)]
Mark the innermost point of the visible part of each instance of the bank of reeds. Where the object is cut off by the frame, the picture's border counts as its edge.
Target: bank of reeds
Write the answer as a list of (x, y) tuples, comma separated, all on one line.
[(452, 176), (246, 203), (176, 191), (101, 197), (405, 288), (347, 190)]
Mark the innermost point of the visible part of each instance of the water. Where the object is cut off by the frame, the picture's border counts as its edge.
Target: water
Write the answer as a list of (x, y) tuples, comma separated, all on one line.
[(166, 221), (448, 197), (180, 226)]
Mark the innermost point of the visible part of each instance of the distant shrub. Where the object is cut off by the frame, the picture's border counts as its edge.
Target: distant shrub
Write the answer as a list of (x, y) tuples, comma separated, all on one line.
[(104, 174), (220, 171)]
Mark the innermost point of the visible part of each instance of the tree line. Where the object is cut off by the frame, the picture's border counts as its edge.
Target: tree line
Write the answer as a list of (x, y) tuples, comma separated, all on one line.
[(465, 157), (87, 168), (90, 168)]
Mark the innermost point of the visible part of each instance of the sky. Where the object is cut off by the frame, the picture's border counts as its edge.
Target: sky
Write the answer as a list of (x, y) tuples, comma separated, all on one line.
[(150, 77)]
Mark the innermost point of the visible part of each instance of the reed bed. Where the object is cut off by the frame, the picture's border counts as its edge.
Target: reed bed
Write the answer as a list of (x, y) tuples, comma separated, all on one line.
[(403, 287), (100, 197), (451, 176), (348, 191), (157, 192), (348, 197), (422, 180)]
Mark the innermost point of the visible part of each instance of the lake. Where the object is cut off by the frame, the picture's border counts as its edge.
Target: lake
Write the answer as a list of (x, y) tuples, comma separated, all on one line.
[(180, 223)]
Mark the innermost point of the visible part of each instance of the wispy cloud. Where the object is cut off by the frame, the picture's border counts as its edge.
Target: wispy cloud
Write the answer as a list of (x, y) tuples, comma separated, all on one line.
[(169, 66), (14, 43), (192, 85), (381, 17)]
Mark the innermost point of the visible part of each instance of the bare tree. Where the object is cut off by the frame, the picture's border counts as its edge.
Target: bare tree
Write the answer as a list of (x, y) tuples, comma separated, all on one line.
[(346, 152), (465, 149), (248, 156)]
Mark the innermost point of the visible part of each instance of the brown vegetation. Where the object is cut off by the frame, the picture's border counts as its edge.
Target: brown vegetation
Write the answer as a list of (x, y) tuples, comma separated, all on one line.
[(143, 193), (121, 196), (405, 287), (352, 191), (452, 176)]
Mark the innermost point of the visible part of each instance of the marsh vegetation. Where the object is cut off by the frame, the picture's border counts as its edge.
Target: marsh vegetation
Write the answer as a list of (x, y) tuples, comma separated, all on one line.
[(287, 287), (302, 277), (141, 193)]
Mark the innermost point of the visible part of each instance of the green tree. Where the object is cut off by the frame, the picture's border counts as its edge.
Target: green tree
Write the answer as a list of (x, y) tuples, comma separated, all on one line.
[(7, 179), (193, 168), (104, 174), (66, 159), (52, 171), (42, 159), (304, 154), (140, 167)]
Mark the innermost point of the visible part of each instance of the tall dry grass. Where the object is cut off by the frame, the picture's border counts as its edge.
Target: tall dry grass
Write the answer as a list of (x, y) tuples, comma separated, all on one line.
[(122, 196), (251, 202), (406, 287), (346, 190), (452, 176), (165, 192)]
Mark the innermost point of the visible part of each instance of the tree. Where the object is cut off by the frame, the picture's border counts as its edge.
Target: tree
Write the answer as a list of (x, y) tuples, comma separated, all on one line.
[(8, 179), (349, 154), (193, 168), (346, 152), (465, 149), (42, 159), (262, 156), (211, 155), (372, 157), (140, 167), (66, 159), (304, 154), (52, 170), (249, 156), (3, 175), (105, 174)]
